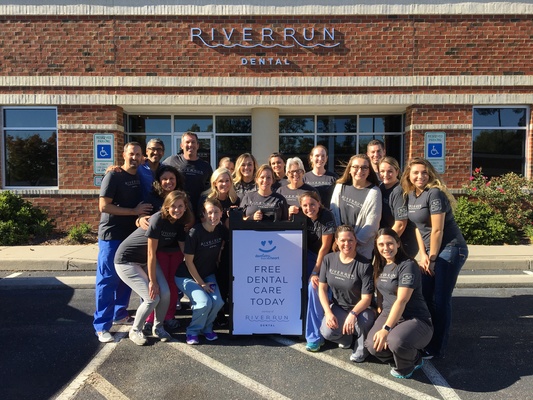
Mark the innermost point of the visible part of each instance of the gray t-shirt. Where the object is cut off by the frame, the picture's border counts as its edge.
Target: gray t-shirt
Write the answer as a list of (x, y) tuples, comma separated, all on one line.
[(205, 246), (291, 195), (253, 201), (434, 201), (242, 188), (351, 202), (347, 281), (125, 191), (323, 184), (135, 247), (324, 225), (196, 173), (406, 274)]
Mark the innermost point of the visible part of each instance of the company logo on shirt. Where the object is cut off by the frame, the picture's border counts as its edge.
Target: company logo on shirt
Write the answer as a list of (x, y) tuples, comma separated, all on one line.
[(435, 205), (402, 213), (407, 279)]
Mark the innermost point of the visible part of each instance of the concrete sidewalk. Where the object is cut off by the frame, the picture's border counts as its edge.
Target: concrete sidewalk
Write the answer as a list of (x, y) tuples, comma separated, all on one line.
[(509, 262)]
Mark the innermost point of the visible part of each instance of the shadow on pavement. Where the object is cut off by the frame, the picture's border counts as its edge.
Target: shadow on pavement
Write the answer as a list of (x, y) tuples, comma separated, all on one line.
[(45, 341)]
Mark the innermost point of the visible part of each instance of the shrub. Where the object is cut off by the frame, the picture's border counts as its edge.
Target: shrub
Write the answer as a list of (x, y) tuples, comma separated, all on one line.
[(77, 233), (20, 220), (481, 225)]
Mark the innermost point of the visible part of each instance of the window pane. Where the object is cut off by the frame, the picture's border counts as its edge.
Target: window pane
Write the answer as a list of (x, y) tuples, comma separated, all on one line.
[(30, 118), (297, 146), (499, 151), (233, 146), (380, 124), (143, 139), (393, 144), (500, 117), (149, 124), (337, 124), (31, 158), (196, 124), (340, 149), (234, 124), (296, 125)]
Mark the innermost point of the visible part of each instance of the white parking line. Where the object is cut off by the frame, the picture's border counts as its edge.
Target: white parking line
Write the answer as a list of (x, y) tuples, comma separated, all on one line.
[(105, 388), (528, 272), (71, 390), (14, 275), (352, 368), (222, 369), (439, 382)]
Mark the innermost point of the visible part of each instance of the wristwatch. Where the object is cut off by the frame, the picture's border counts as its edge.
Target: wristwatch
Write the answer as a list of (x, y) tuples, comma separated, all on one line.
[(387, 328)]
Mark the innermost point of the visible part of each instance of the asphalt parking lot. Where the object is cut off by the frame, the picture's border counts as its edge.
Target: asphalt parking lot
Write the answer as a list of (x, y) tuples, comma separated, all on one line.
[(49, 351)]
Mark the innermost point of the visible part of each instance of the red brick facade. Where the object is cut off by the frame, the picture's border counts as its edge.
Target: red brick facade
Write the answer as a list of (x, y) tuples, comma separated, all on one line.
[(145, 46)]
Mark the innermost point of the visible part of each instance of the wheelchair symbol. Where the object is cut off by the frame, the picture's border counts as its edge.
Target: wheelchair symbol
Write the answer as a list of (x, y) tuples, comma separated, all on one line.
[(103, 153), (434, 152)]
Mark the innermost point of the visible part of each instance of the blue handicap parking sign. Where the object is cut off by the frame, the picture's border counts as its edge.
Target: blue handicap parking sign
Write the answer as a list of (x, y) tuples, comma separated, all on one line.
[(103, 151), (434, 150)]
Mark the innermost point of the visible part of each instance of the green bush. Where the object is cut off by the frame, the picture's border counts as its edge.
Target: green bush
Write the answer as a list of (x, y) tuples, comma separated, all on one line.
[(20, 220), (77, 233), (481, 225)]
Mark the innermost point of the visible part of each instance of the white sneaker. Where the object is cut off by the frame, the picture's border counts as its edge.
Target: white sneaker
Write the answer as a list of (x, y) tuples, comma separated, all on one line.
[(137, 337), (105, 337), (344, 346), (162, 334)]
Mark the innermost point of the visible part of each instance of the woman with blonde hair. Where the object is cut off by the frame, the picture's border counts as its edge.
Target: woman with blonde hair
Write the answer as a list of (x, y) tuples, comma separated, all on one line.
[(244, 176), (442, 247), (356, 201)]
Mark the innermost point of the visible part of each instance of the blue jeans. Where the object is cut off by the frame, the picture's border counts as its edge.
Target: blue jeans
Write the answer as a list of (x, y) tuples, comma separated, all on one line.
[(438, 290), (112, 295), (205, 306)]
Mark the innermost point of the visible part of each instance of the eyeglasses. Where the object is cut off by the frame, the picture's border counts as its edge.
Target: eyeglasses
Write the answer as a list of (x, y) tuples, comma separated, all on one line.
[(296, 171), (360, 167), (155, 149)]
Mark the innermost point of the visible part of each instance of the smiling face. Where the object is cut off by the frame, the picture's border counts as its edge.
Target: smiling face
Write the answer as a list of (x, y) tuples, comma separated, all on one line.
[(388, 174), (247, 169), (359, 170), (387, 247), (177, 209), (212, 214), (132, 157), (154, 152), (319, 158), (278, 165), (419, 176), (223, 184), (376, 153), (295, 175), (264, 181), (168, 181), (310, 207), (346, 243), (190, 146)]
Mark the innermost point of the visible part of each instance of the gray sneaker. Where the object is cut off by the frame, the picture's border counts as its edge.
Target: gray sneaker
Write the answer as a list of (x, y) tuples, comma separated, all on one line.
[(105, 337), (162, 334), (137, 337)]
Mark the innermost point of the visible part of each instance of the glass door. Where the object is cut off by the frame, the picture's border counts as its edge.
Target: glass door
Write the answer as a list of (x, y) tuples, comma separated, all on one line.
[(206, 150)]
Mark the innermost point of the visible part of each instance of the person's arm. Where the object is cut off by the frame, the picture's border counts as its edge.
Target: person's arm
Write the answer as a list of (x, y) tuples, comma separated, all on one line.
[(435, 240), (370, 217), (424, 259), (396, 312), (331, 320), (189, 262), (105, 204), (349, 323), (335, 203), (399, 226), (182, 246), (153, 286), (327, 241)]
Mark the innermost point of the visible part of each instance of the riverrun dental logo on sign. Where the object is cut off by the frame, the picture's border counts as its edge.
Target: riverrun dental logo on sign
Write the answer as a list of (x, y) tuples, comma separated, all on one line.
[(266, 37)]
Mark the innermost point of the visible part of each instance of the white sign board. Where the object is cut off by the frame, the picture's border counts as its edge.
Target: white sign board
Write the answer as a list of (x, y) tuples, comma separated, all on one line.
[(435, 150), (104, 150), (267, 285)]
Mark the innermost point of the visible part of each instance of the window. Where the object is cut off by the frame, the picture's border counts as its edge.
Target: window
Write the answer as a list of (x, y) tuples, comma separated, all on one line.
[(233, 136), (499, 139), (342, 135), (30, 147)]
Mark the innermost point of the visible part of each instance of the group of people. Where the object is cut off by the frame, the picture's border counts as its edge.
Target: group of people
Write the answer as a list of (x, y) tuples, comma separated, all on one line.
[(164, 225)]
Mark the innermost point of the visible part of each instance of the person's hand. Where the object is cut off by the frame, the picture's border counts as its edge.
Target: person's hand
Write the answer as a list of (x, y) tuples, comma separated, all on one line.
[(293, 210), (258, 215), (112, 168), (314, 281), (153, 289), (144, 222), (207, 288), (143, 208), (349, 325), (331, 321), (380, 339), (424, 264)]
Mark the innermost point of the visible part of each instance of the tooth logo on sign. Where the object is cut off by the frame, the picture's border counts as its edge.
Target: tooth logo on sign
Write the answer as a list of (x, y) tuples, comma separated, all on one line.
[(264, 244)]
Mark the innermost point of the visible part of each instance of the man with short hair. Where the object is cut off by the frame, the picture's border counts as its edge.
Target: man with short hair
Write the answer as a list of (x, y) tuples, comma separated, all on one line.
[(375, 150), (196, 171), (155, 150), (120, 204)]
